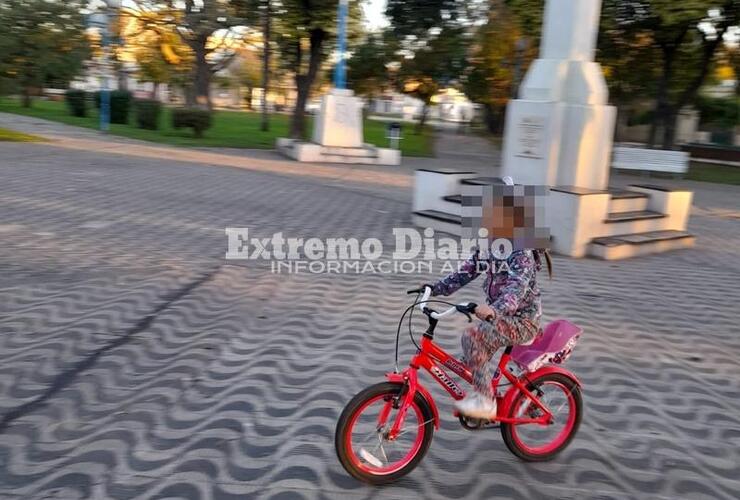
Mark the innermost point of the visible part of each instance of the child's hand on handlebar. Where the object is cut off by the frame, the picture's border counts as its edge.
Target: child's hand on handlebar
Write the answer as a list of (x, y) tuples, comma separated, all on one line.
[(485, 312)]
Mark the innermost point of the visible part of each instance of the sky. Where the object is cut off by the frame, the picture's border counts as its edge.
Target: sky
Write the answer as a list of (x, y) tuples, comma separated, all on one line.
[(373, 9), (374, 16)]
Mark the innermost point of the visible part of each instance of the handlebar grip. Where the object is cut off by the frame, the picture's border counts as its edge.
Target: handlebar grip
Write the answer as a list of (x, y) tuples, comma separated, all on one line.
[(417, 290)]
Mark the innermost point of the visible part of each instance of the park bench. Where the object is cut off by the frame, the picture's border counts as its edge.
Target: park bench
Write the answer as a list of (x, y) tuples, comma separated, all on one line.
[(650, 160)]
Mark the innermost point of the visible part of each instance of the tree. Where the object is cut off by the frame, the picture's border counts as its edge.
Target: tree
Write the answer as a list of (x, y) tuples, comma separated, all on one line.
[(681, 39), (248, 72), (306, 35), (436, 65), (160, 54), (432, 38), (627, 59), (210, 29), (367, 69), (497, 59), (41, 41)]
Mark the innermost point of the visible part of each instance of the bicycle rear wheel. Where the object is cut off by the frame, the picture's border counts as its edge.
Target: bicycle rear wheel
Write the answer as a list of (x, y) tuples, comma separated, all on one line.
[(361, 438), (535, 442)]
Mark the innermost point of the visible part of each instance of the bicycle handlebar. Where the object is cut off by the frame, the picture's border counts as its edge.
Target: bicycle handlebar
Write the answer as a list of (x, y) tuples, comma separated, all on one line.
[(466, 308)]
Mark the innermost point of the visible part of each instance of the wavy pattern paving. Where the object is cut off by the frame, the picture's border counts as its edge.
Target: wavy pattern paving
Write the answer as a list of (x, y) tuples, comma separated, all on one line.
[(136, 363)]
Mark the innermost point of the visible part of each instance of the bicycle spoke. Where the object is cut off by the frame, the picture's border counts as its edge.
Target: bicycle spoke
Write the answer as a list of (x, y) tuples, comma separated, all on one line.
[(405, 430)]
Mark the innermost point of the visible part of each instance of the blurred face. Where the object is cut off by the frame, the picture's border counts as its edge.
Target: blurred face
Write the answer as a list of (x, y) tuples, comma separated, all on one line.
[(506, 217), (515, 213)]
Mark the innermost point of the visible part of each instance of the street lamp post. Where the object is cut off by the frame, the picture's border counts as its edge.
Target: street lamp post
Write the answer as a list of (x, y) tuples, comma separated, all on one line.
[(111, 15), (340, 70)]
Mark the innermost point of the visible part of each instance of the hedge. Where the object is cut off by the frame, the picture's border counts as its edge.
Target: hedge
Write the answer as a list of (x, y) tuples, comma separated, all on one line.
[(76, 102), (147, 113), (120, 104), (197, 119)]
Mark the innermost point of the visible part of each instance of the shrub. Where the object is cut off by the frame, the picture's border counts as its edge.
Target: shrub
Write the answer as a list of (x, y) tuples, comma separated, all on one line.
[(120, 103), (723, 112), (76, 102), (723, 137), (641, 118), (197, 119), (147, 113)]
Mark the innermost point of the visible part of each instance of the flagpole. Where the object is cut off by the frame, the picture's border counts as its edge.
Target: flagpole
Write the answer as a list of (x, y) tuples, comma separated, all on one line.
[(340, 70)]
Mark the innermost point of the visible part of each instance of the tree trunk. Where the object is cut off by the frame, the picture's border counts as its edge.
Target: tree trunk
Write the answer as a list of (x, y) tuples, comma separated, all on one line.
[(155, 90), (122, 79), (661, 101), (298, 122), (265, 126), (26, 97), (202, 81), (248, 97), (669, 128), (423, 118), (189, 94), (304, 83)]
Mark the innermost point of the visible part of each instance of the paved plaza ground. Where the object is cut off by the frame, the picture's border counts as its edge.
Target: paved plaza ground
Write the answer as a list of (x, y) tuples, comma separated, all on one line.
[(135, 362)]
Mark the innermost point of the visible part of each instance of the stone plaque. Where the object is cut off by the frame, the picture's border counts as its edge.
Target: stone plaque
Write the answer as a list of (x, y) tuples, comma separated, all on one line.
[(530, 137)]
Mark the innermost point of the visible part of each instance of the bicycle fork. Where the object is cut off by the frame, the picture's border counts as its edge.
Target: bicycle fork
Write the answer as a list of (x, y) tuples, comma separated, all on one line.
[(401, 402)]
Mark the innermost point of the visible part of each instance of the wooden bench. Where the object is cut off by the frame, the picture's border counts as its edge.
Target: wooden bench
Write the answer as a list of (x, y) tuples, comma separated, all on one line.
[(650, 160)]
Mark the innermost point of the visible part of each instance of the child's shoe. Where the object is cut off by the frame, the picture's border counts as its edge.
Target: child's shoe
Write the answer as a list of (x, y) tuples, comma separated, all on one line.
[(476, 405)]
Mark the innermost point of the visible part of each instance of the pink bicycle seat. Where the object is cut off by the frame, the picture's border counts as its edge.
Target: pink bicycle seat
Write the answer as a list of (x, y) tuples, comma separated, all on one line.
[(554, 345)]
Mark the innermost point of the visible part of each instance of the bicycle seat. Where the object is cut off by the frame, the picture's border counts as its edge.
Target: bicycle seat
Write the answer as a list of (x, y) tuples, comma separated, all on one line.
[(553, 345)]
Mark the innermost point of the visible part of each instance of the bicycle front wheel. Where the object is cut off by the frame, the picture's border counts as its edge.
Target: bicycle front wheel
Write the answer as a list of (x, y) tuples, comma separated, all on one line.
[(361, 438)]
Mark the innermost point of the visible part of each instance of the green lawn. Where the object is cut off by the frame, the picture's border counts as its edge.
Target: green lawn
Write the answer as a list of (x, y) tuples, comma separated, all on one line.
[(709, 172), (232, 129), (703, 172), (13, 136)]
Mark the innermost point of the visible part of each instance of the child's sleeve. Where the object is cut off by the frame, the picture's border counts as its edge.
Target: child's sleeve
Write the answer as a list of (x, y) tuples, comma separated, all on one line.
[(450, 284), (521, 272)]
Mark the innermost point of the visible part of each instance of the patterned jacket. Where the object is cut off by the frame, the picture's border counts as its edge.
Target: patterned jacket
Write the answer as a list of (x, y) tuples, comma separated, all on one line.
[(510, 285)]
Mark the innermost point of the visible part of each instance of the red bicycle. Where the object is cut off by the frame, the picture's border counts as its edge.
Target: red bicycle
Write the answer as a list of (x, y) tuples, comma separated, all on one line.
[(385, 430)]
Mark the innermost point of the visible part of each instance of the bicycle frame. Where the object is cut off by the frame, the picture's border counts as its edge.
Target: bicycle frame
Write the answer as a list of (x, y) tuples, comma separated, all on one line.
[(433, 358)]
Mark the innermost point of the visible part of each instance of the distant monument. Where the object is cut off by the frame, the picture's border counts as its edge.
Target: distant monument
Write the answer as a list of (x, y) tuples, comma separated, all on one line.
[(337, 134), (559, 134)]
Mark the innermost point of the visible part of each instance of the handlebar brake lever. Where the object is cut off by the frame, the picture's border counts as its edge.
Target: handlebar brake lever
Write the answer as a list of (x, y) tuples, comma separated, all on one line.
[(467, 310)]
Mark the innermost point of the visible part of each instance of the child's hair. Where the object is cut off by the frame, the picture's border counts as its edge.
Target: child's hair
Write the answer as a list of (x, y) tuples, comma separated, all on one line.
[(548, 260)]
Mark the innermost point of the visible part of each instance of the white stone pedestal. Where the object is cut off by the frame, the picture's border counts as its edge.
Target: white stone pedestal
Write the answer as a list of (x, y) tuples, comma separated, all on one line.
[(338, 135), (339, 122), (560, 130)]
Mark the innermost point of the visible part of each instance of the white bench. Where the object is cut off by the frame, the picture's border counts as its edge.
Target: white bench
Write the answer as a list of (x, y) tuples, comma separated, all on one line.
[(650, 160)]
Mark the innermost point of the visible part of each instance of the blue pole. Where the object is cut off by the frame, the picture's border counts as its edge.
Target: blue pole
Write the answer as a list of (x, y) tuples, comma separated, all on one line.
[(340, 71), (104, 90), (105, 105)]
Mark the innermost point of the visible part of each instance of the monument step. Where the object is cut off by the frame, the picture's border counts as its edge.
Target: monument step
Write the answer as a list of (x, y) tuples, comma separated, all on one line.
[(363, 152), (439, 221), (631, 245), (633, 215), (452, 204), (624, 200), (482, 181), (638, 221)]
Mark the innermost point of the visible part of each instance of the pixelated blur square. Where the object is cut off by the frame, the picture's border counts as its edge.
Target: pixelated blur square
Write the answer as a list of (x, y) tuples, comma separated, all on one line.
[(516, 213)]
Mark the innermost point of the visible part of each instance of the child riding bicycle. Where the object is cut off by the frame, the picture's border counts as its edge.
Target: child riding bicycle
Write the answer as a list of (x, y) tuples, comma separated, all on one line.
[(510, 317)]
